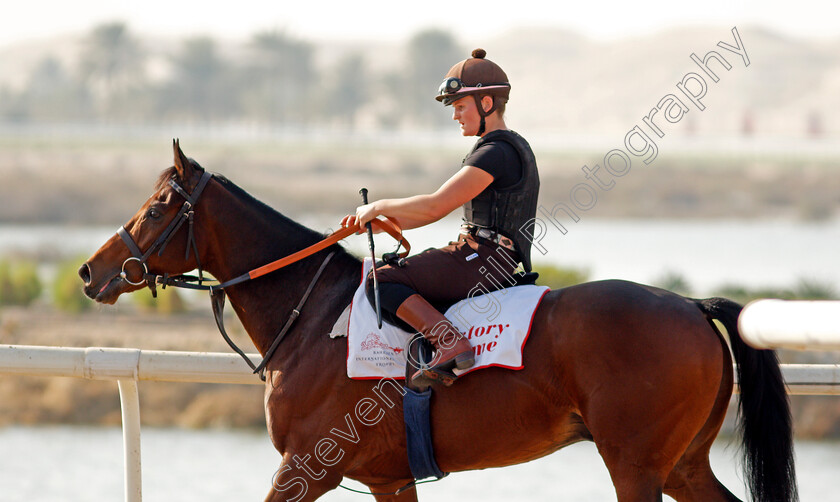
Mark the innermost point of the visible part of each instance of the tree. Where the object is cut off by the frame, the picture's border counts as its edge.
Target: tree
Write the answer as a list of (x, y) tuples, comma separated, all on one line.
[(52, 94), (201, 86), (281, 79), (112, 62), (430, 54), (346, 90)]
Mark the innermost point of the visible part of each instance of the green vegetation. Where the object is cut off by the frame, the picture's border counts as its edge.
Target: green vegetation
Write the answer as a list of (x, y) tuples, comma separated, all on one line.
[(19, 283), (168, 301), (673, 281), (67, 288), (805, 289), (559, 277), (20, 286)]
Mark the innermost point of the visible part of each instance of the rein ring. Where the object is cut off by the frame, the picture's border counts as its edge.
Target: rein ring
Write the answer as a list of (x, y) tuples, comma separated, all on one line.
[(124, 276)]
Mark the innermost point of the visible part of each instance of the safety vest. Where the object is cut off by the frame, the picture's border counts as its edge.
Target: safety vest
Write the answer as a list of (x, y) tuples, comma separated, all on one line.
[(510, 211)]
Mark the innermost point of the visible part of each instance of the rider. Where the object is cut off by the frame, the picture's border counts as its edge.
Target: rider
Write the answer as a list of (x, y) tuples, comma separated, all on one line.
[(497, 186)]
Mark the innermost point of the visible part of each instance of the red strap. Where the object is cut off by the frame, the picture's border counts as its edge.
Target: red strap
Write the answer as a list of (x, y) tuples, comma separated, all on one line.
[(391, 227)]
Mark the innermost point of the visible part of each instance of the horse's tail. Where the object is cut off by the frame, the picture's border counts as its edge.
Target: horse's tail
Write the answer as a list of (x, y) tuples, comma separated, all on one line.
[(764, 418)]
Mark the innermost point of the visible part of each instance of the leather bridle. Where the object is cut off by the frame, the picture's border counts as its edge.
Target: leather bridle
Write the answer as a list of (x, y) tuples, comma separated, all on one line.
[(217, 295), (185, 214)]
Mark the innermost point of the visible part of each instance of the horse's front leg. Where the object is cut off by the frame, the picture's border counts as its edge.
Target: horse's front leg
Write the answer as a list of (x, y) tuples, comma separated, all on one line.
[(299, 479)]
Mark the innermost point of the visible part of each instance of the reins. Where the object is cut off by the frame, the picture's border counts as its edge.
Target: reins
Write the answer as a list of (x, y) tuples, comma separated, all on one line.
[(217, 293)]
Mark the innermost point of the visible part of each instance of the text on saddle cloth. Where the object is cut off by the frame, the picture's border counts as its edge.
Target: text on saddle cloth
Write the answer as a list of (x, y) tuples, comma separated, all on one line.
[(496, 324)]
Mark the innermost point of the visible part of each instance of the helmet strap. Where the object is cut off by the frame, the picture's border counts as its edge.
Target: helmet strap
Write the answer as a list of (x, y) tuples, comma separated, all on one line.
[(482, 126)]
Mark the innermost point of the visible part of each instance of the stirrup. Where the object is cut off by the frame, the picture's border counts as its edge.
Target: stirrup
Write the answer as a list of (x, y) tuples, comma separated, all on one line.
[(464, 360), (426, 377), (442, 373)]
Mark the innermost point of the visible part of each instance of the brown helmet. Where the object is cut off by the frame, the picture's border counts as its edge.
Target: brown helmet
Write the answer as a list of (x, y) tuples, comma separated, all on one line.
[(478, 77), (475, 75)]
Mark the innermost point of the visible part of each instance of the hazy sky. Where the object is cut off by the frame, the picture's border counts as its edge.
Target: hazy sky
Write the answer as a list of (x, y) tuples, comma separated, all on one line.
[(396, 20)]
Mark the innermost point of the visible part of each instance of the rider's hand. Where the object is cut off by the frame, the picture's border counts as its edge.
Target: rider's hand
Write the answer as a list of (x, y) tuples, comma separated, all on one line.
[(366, 213), (363, 215)]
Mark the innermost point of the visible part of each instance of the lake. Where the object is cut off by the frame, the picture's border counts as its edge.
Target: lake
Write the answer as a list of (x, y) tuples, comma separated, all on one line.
[(69, 464), (708, 253)]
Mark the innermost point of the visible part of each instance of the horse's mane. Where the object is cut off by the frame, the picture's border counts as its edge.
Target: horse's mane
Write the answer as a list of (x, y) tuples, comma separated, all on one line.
[(307, 235)]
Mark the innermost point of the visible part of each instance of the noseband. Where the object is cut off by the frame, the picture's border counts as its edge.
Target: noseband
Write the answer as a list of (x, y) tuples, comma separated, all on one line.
[(185, 214)]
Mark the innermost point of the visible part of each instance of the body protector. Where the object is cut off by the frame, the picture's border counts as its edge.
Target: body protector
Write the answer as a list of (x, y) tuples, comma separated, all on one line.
[(510, 211)]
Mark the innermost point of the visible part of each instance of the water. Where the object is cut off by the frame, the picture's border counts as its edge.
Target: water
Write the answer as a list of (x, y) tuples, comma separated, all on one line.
[(69, 464), (708, 254)]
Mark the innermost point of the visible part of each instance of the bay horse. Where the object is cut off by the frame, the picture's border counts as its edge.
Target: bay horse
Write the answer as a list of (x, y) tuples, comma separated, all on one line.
[(643, 372)]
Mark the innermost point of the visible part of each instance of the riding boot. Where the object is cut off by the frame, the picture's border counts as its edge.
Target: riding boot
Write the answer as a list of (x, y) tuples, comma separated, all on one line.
[(452, 350)]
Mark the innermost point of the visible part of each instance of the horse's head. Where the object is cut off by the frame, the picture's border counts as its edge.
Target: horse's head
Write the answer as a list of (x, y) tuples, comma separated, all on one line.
[(157, 239)]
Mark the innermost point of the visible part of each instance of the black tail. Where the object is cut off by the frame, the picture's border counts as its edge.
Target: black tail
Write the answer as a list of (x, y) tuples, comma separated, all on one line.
[(763, 413)]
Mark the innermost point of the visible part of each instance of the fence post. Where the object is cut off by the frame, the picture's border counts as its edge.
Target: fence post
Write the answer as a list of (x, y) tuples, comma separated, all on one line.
[(130, 406)]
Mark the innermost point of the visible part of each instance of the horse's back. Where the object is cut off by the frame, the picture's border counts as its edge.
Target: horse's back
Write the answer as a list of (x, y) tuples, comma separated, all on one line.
[(613, 335), (628, 313)]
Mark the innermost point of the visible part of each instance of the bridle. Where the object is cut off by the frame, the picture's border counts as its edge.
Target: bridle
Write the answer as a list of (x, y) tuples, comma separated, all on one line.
[(185, 214), (217, 294)]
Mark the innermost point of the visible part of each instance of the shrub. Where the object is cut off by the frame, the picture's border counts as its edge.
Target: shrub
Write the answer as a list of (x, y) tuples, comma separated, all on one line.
[(559, 277), (67, 288), (168, 301), (805, 290), (674, 282), (19, 283), (813, 289)]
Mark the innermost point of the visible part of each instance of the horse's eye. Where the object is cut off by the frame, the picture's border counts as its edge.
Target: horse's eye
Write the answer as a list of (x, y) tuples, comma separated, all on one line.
[(154, 213)]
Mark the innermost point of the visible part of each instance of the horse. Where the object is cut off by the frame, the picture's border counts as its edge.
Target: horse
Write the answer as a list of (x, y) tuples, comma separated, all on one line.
[(642, 372)]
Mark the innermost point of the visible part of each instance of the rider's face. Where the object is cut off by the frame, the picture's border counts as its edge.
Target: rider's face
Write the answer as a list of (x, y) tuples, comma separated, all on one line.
[(466, 113)]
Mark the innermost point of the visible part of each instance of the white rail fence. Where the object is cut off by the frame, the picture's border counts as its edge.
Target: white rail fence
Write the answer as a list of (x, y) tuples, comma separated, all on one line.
[(784, 324), (127, 367), (764, 324)]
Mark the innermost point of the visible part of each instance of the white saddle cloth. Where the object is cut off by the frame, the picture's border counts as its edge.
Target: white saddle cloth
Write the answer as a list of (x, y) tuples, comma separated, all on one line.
[(496, 324)]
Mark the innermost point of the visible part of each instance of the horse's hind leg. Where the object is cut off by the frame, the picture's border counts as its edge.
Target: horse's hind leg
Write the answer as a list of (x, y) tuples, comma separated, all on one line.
[(633, 484), (692, 479), (643, 425)]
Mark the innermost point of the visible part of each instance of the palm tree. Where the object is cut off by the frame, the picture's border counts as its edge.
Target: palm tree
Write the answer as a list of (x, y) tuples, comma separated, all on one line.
[(112, 62), (201, 84), (346, 92), (430, 54), (281, 78)]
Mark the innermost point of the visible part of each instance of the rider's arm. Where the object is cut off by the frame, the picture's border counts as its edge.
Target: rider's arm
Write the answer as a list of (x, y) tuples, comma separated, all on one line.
[(419, 210)]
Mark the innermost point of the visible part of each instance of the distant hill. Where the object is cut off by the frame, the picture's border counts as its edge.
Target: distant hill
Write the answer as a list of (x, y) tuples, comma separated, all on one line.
[(599, 87)]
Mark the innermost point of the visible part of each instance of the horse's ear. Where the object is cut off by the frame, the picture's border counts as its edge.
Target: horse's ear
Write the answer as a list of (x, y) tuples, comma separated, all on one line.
[(182, 163)]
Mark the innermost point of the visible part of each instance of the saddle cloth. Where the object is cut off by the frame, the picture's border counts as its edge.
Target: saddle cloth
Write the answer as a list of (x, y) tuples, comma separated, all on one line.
[(497, 325)]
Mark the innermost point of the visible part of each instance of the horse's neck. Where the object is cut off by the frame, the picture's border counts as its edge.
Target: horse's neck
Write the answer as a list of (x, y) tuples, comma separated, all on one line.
[(244, 238)]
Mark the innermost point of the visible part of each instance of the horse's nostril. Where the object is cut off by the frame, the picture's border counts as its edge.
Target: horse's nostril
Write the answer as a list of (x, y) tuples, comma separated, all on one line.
[(84, 273)]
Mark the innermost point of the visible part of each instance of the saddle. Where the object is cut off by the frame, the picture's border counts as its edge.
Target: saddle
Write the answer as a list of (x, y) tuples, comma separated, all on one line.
[(496, 324)]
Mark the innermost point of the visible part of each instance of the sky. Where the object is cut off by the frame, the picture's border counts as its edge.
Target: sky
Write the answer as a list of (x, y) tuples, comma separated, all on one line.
[(396, 20)]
